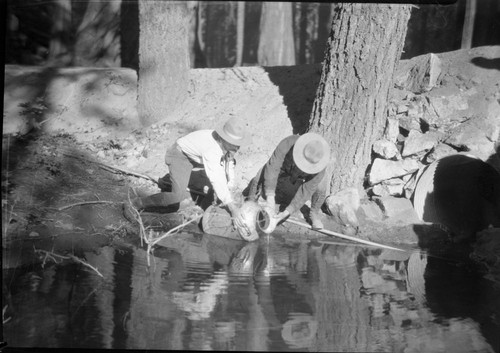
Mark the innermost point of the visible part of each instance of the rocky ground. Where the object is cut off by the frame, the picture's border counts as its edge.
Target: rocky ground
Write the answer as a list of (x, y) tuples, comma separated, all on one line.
[(64, 129)]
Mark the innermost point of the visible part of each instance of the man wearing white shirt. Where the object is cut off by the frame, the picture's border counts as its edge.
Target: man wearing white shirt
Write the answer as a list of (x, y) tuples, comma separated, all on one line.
[(211, 149)]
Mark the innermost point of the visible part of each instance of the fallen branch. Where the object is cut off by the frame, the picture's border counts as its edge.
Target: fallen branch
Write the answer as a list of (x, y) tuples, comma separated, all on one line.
[(152, 242), (138, 219), (113, 168), (86, 264), (51, 255), (83, 203)]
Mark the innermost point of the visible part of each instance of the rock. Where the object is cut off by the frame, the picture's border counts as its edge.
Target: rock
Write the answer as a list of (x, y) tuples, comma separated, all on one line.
[(383, 169), (370, 211), (389, 187), (419, 74), (439, 151), (417, 142), (411, 183), (343, 206), (472, 136), (385, 149), (391, 129), (398, 209), (445, 107), (409, 123), (381, 190)]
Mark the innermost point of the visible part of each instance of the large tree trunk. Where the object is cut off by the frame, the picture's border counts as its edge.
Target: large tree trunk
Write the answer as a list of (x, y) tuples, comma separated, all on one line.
[(468, 29), (240, 32), (306, 30), (350, 108), (219, 30), (276, 45), (163, 59), (96, 40)]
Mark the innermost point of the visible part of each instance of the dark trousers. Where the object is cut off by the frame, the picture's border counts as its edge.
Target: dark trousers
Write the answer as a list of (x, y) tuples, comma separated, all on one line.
[(285, 190), (180, 168)]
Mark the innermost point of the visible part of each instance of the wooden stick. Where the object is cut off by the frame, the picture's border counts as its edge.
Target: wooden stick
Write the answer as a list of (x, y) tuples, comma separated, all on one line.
[(124, 171), (82, 203), (343, 236), (112, 168)]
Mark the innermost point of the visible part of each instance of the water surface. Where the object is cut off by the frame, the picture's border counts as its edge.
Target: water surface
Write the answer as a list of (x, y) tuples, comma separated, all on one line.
[(204, 292)]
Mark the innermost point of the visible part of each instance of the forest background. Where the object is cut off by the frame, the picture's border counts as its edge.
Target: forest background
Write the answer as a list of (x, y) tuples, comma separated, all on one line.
[(105, 33)]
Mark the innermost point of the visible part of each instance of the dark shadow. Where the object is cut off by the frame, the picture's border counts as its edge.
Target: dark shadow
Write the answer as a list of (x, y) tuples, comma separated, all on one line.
[(494, 159), (129, 34), (455, 289), (486, 63), (465, 196), (297, 85)]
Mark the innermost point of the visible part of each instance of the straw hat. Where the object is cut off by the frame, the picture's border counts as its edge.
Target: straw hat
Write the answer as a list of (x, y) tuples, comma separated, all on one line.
[(234, 131), (311, 153)]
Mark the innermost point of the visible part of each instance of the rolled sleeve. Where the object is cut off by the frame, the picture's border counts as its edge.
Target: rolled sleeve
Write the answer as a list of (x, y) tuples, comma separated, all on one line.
[(217, 175)]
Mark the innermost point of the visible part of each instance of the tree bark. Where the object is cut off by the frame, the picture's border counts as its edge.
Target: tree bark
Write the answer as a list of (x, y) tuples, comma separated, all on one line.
[(350, 108), (163, 59), (276, 44)]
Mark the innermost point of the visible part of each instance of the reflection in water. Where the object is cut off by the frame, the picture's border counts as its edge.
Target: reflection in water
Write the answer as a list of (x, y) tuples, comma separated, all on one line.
[(210, 293)]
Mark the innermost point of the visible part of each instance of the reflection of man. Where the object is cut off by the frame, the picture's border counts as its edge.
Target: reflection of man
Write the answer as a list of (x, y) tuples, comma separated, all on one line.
[(297, 167)]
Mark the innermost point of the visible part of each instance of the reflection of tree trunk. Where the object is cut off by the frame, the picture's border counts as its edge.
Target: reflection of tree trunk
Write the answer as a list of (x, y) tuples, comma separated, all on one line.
[(164, 59), (59, 51), (343, 316), (351, 101), (105, 298), (151, 312), (240, 33), (96, 39), (468, 29), (276, 45), (258, 327)]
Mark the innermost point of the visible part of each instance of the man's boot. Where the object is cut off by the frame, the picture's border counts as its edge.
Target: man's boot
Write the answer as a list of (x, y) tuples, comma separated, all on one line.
[(315, 217)]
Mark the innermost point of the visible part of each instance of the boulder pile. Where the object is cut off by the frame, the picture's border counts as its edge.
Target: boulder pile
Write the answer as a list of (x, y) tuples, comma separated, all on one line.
[(434, 111)]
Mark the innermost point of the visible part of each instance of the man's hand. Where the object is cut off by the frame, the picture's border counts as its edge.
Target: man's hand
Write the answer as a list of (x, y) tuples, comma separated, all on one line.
[(271, 203), (281, 216), (238, 220)]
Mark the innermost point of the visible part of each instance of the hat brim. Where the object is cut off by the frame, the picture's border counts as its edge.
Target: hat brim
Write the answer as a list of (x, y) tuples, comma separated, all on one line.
[(304, 164), (245, 140)]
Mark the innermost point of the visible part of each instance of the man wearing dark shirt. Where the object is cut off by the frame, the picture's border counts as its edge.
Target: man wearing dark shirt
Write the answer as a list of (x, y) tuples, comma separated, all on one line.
[(297, 168)]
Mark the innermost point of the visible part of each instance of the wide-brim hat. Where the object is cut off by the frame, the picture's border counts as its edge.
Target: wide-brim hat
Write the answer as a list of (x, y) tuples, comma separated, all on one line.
[(234, 131), (311, 153)]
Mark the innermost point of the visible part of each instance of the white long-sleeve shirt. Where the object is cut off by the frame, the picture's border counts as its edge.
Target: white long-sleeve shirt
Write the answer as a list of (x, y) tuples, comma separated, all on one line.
[(202, 148)]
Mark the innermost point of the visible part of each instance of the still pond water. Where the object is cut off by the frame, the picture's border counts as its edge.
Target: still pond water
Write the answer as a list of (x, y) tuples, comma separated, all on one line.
[(210, 293)]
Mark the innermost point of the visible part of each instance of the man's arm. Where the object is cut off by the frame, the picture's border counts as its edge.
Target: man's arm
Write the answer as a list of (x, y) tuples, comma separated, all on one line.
[(216, 173), (273, 165)]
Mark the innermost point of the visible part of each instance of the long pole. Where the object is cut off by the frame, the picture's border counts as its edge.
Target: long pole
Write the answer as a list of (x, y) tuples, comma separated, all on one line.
[(343, 236)]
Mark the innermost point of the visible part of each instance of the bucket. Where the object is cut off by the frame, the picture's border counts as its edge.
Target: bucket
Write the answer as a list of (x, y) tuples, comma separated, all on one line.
[(217, 221)]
